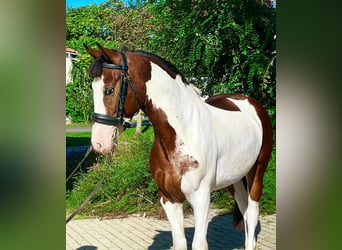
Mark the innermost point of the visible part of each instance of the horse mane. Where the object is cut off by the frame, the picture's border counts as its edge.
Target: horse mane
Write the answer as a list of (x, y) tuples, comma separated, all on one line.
[(169, 67), (95, 68)]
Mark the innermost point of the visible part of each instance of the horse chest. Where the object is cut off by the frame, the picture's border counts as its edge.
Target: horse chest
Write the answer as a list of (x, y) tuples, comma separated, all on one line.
[(168, 165)]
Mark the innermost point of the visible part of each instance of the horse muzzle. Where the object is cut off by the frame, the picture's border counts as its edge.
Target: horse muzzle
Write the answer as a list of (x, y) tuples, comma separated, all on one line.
[(104, 138)]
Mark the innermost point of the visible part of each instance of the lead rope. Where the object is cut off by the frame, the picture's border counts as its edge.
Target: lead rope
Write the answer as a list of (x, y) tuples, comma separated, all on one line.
[(97, 187), (79, 164), (99, 183)]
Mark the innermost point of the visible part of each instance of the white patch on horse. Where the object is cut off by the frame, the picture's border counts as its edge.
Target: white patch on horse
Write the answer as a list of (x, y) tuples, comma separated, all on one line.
[(98, 94), (225, 143), (182, 106), (246, 106), (238, 138), (103, 136), (174, 213), (251, 217)]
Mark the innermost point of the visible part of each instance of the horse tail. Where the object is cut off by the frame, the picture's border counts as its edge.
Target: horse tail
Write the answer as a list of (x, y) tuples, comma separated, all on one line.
[(238, 221)]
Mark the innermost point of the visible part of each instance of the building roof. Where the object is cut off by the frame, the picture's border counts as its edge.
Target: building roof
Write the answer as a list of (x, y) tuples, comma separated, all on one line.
[(69, 50)]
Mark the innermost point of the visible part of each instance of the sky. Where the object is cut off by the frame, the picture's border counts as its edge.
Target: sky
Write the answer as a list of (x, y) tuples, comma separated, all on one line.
[(79, 3)]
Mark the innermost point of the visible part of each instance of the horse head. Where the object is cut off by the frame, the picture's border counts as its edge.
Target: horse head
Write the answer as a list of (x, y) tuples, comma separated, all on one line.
[(115, 95)]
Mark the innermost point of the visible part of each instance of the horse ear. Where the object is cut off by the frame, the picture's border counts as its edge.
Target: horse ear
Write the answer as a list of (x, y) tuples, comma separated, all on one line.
[(104, 52), (108, 54), (93, 52)]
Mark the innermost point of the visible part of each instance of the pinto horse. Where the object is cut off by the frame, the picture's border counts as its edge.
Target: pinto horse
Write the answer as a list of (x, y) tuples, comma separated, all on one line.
[(199, 145)]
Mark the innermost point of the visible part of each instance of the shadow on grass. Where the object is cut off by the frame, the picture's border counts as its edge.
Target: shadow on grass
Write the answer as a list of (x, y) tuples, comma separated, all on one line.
[(72, 162)]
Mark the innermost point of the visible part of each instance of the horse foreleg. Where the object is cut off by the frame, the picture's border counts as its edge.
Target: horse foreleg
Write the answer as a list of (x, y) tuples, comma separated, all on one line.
[(174, 213), (200, 201)]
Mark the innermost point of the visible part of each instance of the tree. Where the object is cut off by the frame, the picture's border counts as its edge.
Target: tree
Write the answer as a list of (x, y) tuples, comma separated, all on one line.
[(112, 24), (129, 25), (225, 46), (221, 46)]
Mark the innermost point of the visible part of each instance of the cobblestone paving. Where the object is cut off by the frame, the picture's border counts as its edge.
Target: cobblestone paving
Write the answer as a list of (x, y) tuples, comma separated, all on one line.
[(153, 234)]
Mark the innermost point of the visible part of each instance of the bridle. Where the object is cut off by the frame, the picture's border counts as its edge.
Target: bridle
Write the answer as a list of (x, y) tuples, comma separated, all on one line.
[(125, 80), (109, 120)]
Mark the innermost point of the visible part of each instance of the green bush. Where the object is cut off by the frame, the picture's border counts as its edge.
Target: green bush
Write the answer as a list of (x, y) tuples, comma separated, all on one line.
[(79, 100), (230, 44)]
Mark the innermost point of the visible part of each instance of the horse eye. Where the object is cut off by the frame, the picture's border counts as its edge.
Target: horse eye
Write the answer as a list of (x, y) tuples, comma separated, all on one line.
[(109, 91)]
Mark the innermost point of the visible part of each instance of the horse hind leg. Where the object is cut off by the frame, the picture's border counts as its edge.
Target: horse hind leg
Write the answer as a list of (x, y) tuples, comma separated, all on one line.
[(255, 186), (247, 194), (239, 191), (246, 212)]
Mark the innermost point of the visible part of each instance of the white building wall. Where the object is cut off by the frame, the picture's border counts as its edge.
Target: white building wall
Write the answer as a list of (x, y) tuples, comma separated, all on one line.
[(68, 68)]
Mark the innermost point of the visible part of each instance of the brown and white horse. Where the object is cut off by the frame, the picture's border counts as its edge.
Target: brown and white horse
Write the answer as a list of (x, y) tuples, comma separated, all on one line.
[(199, 145)]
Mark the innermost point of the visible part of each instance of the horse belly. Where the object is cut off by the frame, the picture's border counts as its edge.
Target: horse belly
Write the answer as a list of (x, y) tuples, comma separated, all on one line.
[(230, 171), (239, 142)]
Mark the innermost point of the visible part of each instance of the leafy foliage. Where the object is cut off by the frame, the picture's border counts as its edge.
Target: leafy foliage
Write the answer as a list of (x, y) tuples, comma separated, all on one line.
[(129, 25), (87, 22), (225, 46), (112, 24), (79, 102), (222, 47)]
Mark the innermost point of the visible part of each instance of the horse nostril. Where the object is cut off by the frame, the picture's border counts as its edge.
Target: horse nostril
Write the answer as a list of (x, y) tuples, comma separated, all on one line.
[(98, 147)]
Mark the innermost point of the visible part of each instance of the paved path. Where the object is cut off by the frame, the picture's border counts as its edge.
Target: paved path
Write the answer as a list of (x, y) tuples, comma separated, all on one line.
[(78, 129), (153, 234)]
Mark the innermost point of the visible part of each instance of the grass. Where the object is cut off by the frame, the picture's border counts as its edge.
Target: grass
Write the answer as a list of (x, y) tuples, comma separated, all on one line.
[(77, 138), (129, 186), (268, 198)]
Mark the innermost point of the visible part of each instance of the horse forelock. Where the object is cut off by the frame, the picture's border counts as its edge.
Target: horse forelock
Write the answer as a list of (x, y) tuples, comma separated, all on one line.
[(95, 69)]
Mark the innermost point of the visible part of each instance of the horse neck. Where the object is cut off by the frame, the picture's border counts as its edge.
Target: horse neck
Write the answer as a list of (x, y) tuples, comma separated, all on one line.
[(170, 101)]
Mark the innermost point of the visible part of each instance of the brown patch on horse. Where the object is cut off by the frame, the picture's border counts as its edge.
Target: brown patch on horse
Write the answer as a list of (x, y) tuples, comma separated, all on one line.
[(167, 164), (255, 177), (166, 65), (222, 102), (139, 70)]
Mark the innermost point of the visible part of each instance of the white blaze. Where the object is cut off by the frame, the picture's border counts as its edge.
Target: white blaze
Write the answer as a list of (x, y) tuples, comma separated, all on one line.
[(102, 135), (98, 88)]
